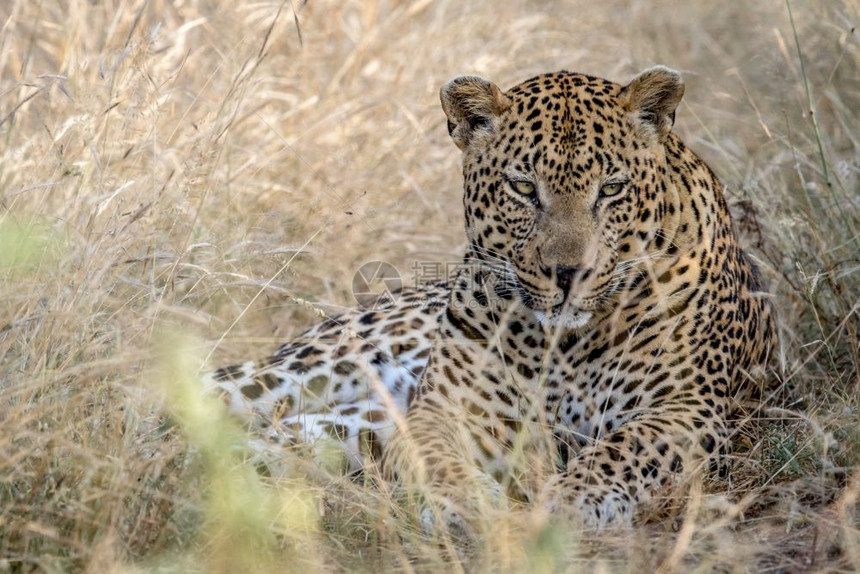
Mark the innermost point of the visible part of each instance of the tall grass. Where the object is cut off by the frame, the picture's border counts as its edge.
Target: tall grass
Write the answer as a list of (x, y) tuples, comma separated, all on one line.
[(198, 166)]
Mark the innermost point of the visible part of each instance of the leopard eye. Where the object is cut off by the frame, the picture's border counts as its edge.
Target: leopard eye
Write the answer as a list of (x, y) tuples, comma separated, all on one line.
[(611, 189), (523, 187)]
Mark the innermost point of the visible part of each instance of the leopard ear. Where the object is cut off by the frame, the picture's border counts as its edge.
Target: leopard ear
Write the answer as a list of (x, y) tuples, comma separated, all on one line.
[(472, 105), (653, 96)]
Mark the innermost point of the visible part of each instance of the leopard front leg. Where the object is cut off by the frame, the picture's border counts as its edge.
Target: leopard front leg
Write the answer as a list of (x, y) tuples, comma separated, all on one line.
[(605, 483), (435, 455)]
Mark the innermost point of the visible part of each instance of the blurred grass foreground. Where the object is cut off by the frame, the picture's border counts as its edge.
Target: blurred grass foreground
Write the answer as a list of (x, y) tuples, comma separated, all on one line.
[(175, 175)]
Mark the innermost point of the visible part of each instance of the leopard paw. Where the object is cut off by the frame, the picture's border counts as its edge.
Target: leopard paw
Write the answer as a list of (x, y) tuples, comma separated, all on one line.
[(444, 518), (596, 507)]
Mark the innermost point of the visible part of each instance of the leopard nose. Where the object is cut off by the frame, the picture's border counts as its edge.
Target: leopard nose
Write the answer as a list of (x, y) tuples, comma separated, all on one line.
[(564, 275)]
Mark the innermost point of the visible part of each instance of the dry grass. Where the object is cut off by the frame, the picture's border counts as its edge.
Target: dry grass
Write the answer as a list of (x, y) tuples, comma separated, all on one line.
[(193, 166)]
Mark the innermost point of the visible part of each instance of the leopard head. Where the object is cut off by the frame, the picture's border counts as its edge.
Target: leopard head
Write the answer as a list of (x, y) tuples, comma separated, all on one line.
[(566, 179)]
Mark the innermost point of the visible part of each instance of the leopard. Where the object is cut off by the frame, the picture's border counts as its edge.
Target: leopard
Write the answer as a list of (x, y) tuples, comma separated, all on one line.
[(599, 343)]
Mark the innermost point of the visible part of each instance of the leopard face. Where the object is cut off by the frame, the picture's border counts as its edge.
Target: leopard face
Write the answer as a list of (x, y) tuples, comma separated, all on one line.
[(565, 184)]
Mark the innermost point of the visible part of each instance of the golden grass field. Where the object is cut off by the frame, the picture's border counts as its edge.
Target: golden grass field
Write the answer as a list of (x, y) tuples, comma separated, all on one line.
[(176, 177)]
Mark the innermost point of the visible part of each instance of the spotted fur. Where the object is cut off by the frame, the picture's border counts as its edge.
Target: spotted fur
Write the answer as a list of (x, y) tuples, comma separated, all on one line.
[(343, 382), (603, 302)]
